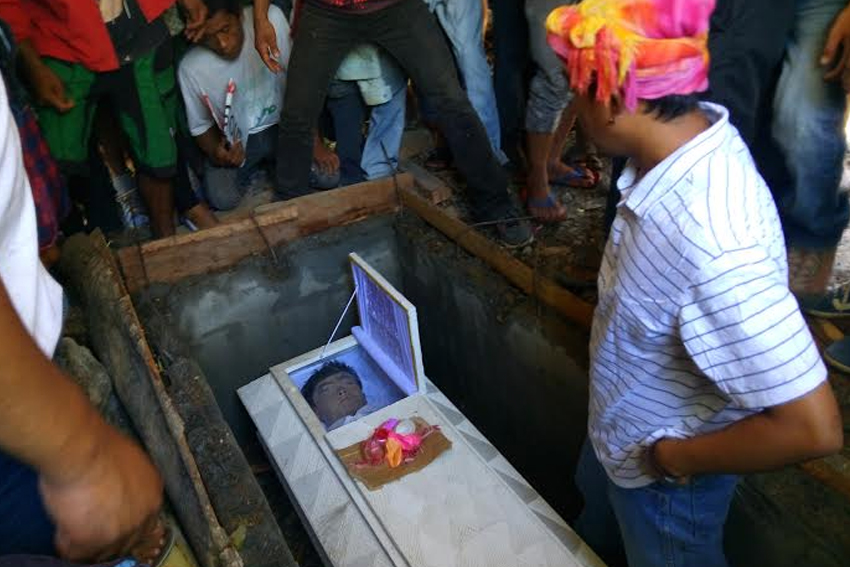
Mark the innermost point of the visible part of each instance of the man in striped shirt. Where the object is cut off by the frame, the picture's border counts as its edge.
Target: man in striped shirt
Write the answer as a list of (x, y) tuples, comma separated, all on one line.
[(702, 366)]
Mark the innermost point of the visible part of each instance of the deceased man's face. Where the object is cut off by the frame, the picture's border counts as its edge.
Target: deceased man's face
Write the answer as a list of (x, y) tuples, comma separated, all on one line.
[(338, 396)]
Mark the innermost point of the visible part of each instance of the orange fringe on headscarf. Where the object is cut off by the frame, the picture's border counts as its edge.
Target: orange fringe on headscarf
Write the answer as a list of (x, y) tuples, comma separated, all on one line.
[(642, 49)]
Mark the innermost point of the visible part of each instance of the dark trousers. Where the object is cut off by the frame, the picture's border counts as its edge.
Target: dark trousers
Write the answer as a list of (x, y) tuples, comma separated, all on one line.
[(409, 32), (510, 77), (746, 42), (348, 112), (24, 524)]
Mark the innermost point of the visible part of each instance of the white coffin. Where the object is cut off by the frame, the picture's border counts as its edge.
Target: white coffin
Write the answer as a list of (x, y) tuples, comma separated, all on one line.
[(468, 508)]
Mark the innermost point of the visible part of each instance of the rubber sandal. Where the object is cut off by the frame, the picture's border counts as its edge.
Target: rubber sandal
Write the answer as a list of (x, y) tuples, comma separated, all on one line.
[(591, 161), (548, 203), (580, 176)]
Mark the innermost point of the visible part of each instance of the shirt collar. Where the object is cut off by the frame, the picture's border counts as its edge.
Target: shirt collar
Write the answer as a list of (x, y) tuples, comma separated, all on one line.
[(640, 195)]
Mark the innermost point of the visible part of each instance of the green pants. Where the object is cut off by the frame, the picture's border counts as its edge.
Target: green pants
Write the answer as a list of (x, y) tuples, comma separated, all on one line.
[(143, 94)]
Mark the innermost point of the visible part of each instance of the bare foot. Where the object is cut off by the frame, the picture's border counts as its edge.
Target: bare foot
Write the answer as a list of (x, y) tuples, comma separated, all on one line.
[(545, 207), (150, 544)]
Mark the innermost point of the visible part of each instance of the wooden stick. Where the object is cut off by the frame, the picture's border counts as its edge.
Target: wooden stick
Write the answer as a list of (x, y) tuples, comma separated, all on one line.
[(518, 273)]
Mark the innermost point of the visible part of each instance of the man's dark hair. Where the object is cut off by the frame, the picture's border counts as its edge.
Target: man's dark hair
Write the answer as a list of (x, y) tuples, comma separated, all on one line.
[(671, 107), (666, 108), (231, 6), (326, 371)]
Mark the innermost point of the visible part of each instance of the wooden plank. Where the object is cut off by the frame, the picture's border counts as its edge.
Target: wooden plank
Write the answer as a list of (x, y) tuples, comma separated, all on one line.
[(430, 185), (518, 273), (172, 259)]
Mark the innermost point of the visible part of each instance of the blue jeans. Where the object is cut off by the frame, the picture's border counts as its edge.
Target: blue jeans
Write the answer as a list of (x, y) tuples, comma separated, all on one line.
[(361, 160), (386, 127), (463, 22), (660, 525), (802, 154), (24, 524)]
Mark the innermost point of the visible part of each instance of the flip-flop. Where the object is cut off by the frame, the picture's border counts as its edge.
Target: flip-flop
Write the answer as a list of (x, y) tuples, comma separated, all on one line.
[(579, 176), (590, 161), (548, 203)]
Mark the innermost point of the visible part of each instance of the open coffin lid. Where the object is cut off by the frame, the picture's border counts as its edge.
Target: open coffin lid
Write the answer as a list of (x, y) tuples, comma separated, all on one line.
[(388, 330)]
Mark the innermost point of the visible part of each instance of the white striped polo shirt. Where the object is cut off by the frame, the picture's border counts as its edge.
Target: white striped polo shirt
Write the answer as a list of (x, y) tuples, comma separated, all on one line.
[(696, 327)]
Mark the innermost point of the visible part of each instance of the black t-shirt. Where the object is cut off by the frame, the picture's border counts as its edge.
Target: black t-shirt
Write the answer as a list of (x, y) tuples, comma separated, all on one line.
[(132, 36)]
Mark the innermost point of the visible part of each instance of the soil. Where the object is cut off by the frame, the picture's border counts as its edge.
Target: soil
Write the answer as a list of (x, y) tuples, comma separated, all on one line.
[(570, 252)]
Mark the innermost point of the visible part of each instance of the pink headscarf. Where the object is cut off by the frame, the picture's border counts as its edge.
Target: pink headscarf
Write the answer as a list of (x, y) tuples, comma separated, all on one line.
[(644, 49)]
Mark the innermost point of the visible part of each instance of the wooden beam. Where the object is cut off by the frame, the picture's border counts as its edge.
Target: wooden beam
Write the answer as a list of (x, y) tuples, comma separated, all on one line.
[(570, 306), (172, 259), (430, 185)]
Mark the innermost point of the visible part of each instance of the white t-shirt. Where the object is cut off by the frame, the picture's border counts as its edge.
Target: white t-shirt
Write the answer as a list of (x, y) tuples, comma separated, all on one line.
[(36, 296), (259, 92)]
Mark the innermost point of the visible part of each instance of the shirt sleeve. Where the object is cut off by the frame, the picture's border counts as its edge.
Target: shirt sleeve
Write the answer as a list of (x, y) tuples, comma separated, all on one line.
[(14, 13), (742, 327), (197, 114)]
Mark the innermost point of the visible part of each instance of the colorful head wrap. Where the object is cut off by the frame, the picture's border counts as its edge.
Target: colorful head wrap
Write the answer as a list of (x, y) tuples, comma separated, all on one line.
[(644, 49)]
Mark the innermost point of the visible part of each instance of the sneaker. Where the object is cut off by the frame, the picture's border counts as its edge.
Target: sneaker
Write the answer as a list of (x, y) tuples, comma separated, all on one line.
[(834, 304), (837, 355), (514, 233)]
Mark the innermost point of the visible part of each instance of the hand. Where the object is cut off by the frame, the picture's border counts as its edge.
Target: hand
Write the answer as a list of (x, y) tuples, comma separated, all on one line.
[(836, 52), (661, 458), (265, 42), (196, 18), (48, 89), (107, 506), (326, 160), (232, 157)]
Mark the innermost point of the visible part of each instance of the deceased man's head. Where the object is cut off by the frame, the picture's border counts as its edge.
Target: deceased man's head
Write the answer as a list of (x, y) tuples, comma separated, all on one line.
[(334, 392)]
